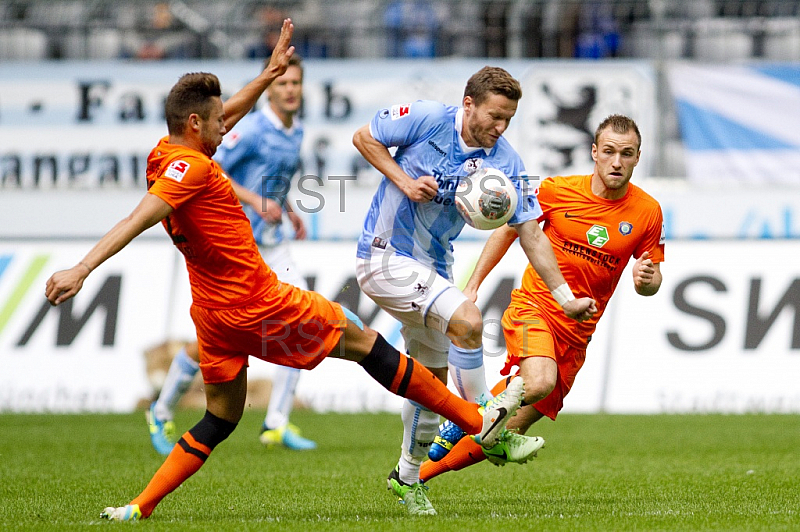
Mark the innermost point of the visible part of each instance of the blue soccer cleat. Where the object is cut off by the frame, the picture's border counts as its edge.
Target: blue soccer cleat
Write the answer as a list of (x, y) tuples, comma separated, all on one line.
[(449, 435), (288, 436), (162, 432)]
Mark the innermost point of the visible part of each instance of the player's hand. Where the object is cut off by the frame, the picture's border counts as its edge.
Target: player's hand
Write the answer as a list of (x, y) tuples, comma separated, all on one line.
[(643, 271), (422, 189), (270, 211), (471, 292), (65, 284), (298, 225), (279, 61), (580, 309)]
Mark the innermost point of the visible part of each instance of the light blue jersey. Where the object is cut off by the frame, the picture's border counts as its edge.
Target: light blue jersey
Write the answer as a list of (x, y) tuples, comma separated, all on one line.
[(428, 139), (261, 154)]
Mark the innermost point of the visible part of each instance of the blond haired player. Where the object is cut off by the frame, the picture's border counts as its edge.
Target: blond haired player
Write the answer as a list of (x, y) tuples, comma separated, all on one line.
[(596, 224)]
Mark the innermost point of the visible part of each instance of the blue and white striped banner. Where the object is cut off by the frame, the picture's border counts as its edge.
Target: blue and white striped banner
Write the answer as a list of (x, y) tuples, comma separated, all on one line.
[(739, 123)]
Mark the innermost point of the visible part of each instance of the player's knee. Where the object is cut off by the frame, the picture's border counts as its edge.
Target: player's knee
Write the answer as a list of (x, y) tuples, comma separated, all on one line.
[(466, 326), (537, 387)]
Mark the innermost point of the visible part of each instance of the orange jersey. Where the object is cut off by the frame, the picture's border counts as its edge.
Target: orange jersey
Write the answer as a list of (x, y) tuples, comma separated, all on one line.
[(593, 240), (209, 227)]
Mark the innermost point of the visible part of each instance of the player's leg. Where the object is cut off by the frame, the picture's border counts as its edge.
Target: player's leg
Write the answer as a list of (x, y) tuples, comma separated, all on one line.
[(429, 348), (402, 376), (466, 452), (423, 301), (465, 357), (182, 370), (277, 428), (224, 406)]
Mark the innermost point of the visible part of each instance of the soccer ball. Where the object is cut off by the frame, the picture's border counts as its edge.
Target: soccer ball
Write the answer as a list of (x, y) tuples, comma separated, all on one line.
[(486, 198)]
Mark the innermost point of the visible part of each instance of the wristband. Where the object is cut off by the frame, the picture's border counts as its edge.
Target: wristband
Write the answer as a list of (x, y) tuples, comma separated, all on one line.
[(563, 294)]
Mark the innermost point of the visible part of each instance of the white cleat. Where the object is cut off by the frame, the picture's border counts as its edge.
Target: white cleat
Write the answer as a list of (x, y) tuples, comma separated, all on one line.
[(498, 410), (130, 512), (513, 447)]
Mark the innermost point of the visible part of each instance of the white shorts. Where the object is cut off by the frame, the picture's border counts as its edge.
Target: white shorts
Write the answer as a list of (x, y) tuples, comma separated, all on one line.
[(280, 260), (421, 299)]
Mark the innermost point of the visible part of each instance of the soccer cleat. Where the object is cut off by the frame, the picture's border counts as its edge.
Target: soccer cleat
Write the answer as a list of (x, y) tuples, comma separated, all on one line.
[(414, 496), (449, 435), (513, 447), (130, 512), (498, 410), (288, 436), (162, 433)]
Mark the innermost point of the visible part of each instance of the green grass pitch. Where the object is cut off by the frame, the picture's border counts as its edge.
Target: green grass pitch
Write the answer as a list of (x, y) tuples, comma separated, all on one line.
[(598, 472)]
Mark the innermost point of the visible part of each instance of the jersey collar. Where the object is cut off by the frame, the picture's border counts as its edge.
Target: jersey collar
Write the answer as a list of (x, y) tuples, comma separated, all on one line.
[(273, 118)]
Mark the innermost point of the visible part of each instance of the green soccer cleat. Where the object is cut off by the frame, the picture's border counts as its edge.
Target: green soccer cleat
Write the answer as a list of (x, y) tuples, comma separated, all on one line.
[(414, 496), (162, 433), (513, 448), (498, 410), (130, 512)]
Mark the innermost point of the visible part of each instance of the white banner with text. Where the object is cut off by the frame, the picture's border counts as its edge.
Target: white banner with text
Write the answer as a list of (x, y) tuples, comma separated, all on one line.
[(722, 335)]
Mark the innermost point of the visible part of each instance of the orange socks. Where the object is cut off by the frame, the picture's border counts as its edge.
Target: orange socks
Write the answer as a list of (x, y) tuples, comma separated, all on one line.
[(402, 376), (185, 459), (464, 454)]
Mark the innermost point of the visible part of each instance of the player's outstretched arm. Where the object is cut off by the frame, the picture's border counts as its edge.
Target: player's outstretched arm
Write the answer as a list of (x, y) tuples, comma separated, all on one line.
[(494, 250), (240, 103), (646, 275), (66, 283), (422, 189), (539, 251)]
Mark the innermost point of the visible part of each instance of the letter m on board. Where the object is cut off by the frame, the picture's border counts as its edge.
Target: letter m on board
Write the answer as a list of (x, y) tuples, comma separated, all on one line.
[(70, 325)]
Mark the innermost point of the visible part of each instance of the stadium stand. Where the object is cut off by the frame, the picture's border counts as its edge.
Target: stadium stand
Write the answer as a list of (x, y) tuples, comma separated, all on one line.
[(714, 30)]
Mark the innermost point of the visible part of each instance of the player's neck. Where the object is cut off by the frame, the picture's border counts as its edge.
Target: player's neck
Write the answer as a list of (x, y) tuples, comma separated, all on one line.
[(287, 119), (189, 142), (600, 189)]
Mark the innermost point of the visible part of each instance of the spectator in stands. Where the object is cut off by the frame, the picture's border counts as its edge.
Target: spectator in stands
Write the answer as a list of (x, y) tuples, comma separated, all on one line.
[(412, 27)]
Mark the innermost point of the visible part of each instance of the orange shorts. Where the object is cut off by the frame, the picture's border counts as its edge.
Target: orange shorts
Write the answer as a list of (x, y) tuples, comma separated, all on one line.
[(288, 326), (528, 334)]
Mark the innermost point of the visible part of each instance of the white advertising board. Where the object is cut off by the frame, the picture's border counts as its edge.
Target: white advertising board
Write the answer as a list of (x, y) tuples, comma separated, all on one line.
[(86, 354), (722, 335)]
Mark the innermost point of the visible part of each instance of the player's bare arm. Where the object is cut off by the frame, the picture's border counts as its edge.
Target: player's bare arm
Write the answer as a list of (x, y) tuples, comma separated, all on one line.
[(66, 283), (539, 251), (421, 190), (240, 103), (495, 248), (646, 275), (270, 210)]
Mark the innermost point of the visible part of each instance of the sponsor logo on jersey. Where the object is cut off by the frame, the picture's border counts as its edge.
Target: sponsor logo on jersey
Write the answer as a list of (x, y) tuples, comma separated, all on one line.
[(597, 236), (436, 148), (384, 113), (399, 111), (231, 139), (379, 243), (625, 228), (177, 169)]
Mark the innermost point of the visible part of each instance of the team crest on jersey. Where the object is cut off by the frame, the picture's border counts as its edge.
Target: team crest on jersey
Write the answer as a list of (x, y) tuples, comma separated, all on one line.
[(177, 169), (399, 111), (470, 165), (625, 228)]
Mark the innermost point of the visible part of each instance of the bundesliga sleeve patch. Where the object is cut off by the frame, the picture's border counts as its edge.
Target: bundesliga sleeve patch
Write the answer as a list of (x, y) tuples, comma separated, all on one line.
[(399, 111), (177, 169)]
